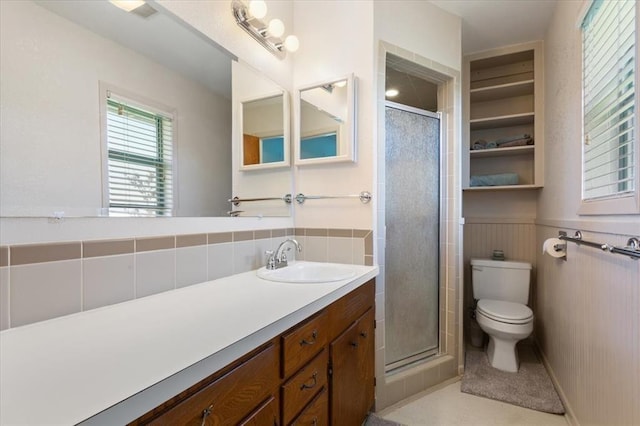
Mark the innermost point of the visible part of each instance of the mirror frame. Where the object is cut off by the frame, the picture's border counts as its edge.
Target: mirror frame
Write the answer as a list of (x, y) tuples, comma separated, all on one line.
[(286, 127), (350, 123)]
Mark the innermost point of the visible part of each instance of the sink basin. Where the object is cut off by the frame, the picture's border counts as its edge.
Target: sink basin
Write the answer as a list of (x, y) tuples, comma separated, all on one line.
[(308, 272)]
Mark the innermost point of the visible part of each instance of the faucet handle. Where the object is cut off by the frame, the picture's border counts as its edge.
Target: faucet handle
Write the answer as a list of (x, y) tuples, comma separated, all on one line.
[(271, 259)]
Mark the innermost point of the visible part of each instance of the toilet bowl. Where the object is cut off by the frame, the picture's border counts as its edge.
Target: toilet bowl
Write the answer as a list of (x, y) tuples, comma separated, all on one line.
[(506, 323)]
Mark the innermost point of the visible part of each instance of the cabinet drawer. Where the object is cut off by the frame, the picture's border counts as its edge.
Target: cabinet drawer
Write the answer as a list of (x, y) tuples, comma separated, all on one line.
[(346, 310), (302, 343), (266, 415), (301, 388), (230, 398), (316, 413)]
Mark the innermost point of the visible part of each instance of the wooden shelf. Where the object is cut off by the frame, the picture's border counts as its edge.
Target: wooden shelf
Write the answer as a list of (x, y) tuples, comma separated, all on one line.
[(501, 188), (502, 152), (502, 121), (501, 91)]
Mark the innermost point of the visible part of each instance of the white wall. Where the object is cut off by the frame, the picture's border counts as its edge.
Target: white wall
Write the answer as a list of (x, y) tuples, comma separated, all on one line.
[(336, 40), (51, 126), (587, 307)]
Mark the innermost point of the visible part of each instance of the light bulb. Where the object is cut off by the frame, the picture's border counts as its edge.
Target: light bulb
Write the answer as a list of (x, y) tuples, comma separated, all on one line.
[(291, 43), (391, 93), (258, 8), (127, 5), (340, 83), (275, 28)]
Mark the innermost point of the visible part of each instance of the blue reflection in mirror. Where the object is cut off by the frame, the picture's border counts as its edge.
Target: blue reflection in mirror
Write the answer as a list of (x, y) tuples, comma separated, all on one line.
[(318, 146), (272, 149)]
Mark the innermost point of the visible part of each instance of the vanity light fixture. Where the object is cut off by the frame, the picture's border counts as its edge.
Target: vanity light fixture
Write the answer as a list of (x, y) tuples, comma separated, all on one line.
[(249, 17)]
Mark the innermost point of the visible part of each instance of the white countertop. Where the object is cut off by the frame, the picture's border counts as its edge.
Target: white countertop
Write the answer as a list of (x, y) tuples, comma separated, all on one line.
[(71, 369)]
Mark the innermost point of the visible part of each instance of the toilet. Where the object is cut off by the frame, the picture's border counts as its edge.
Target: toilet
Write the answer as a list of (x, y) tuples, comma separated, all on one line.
[(501, 289)]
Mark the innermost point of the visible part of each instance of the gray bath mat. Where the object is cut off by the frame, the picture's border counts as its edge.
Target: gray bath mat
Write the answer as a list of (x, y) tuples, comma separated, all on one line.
[(530, 387), (374, 420)]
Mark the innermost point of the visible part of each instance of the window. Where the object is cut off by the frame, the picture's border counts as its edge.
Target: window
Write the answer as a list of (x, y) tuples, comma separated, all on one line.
[(139, 159), (610, 169)]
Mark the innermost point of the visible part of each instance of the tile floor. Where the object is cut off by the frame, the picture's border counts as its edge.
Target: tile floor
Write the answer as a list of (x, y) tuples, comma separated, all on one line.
[(450, 407)]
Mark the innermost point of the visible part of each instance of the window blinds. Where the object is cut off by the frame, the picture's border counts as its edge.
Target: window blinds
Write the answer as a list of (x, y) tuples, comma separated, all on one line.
[(609, 99), (140, 160)]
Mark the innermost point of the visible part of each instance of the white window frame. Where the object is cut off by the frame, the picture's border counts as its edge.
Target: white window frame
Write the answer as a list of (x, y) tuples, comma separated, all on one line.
[(628, 203), (105, 90)]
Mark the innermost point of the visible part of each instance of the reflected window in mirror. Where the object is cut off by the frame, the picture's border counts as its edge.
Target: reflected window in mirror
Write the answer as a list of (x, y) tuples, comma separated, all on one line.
[(138, 158), (326, 125), (264, 144)]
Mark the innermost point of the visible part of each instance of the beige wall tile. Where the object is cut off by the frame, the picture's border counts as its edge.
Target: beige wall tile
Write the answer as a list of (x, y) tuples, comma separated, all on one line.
[(220, 237), (155, 243), (244, 253), (155, 272), (243, 236), (37, 253), (340, 250), (191, 240), (107, 248), (41, 291), (4, 298), (220, 260), (4, 256), (107, 280), (345, 233), (262, 234), (316, 232), (315, 249), (191, 265)]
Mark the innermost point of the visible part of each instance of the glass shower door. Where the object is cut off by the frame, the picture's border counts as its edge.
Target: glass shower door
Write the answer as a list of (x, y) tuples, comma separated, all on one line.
[(412, 220)]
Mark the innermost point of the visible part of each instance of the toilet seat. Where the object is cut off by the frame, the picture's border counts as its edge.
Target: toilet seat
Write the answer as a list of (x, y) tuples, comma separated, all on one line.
[(506, 312)]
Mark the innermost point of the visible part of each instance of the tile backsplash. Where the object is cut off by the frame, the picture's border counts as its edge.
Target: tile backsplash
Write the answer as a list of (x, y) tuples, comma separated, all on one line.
[(44, 281)]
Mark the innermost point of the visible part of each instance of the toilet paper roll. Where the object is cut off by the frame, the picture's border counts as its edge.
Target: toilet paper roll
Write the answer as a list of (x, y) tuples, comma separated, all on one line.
[(550, 246)]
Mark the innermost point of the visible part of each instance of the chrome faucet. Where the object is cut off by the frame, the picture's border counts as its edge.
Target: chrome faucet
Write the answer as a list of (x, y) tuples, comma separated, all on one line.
[(278, 259)]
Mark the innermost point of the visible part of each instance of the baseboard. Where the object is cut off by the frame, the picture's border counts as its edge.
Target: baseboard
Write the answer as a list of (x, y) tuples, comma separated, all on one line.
[(569, 414)]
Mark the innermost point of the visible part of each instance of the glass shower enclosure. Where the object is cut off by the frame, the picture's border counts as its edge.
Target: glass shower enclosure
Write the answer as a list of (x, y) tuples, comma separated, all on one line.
[(412, 246)]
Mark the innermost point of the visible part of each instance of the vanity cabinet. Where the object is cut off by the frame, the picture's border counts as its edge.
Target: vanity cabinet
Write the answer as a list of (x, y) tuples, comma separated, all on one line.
[(319, 372), (504, 102)]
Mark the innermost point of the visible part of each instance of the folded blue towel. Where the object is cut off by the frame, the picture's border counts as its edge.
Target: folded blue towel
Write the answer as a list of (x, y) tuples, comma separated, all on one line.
[(494, 180)]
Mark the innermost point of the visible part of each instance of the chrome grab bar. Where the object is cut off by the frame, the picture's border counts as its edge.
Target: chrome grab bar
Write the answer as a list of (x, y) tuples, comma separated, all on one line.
[(364, 197), (632, 249), (236, 201)]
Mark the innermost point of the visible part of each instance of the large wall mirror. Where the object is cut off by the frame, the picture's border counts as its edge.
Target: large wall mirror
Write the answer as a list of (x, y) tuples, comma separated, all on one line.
[(326, 126), (77, 74)]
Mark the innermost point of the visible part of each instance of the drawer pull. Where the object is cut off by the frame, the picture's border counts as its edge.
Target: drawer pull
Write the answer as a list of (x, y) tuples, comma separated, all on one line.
[(314, 378), (315, 421), (205, 413), (311, 341), (363, 334), (354, 344)]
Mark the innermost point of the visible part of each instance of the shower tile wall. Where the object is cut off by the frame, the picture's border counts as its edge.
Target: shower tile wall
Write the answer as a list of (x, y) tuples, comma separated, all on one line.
[(44, 281)]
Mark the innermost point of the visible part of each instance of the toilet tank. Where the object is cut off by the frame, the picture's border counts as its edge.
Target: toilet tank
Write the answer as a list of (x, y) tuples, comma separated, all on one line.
[(500, 280)]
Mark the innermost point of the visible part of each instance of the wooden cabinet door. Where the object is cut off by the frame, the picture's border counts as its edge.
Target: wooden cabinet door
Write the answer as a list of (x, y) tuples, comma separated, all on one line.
[(266, 415), (352, 365)]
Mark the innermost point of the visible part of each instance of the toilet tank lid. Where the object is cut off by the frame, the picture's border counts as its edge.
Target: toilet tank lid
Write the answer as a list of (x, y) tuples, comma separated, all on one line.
[(507, 264)]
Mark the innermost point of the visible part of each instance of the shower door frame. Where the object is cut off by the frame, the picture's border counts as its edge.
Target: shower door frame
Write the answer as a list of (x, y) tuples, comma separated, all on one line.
[(430, 353)]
